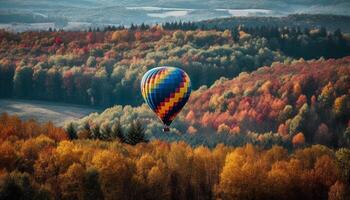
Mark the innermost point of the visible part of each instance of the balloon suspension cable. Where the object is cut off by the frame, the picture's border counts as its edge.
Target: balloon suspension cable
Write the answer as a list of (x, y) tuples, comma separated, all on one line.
[(166, 129)]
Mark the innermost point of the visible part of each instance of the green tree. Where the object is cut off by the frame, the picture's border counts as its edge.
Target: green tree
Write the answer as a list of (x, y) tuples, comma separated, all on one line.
[(117, 132), (39, 78), (23, 82), (6, 79), (106, 132), (136, 133), (72, 133), (53, 84), (95, 132), (91, 61)]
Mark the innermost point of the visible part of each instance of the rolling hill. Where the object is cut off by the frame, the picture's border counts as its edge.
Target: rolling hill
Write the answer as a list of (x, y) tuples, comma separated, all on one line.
[(290, 104), (108, 12)]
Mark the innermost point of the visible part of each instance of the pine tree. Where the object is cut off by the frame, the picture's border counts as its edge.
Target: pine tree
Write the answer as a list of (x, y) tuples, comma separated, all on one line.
[(72, 133), (95, 132), (136, 133), (117, 132), (87, 129), (106, 133)]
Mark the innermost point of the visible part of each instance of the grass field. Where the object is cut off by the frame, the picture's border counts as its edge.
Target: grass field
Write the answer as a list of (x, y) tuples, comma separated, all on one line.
[(43, 111)]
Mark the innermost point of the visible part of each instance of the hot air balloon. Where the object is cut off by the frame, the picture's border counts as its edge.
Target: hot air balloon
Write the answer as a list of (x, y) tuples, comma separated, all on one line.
[(166, 91)]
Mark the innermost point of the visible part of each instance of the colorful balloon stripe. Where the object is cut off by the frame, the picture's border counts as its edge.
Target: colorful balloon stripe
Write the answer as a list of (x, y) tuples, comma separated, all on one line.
[(166, 90), (159, 78), (174, 98)]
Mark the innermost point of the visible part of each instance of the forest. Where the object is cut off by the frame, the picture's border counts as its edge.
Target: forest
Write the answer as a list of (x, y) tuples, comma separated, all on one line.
[(302, 20), (268, 117), (41, 161), (104, 68), (297, 104)]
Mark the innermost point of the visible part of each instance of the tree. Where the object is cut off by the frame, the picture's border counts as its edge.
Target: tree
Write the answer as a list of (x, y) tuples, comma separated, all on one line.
[(108, 65), (341, 107), (298, 122), (72, 133), (100, 91), (339, 191), (8, 156), (301, 101), (295, 124), (327, 94), (344, 139), (16, 185), (136, 133), (71, 182), (343, 163), (91, 185), (323, 135), (53, 85), (23, 82), (6, 79), (95, 132), (117, 132), (174, 186), (155, 181), (143, 166), (39, 78), (243, 177), (179, 37), (326, 174), (85, 133), (122, 36), (115, 174), (90, 37), (106, 132), (298, 139), (91, 61)]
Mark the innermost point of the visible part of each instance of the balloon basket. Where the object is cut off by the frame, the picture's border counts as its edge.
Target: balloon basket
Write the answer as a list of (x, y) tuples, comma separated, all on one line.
[(166, 129)]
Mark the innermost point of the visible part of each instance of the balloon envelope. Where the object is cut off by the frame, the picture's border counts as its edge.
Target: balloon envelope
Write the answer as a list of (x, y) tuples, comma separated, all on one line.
[(166, 91)]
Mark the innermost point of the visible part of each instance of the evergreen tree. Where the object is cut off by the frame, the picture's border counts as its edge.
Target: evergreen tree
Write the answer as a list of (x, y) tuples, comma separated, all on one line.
[(106, 133), (87, 127), (117, 132), (72, 133), (136, 133), (95, 132)]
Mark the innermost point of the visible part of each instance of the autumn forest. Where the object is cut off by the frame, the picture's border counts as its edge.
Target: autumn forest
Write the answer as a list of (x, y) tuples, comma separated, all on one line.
[(268, 117)]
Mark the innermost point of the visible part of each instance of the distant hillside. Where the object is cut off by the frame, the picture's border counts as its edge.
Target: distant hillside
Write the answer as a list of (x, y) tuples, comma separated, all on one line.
[(295, 104), (126, 12), (331, 22), (104, 68)]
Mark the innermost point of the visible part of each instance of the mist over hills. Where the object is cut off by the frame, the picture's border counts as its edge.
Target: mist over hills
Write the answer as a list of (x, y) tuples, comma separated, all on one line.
[(81, 14)]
